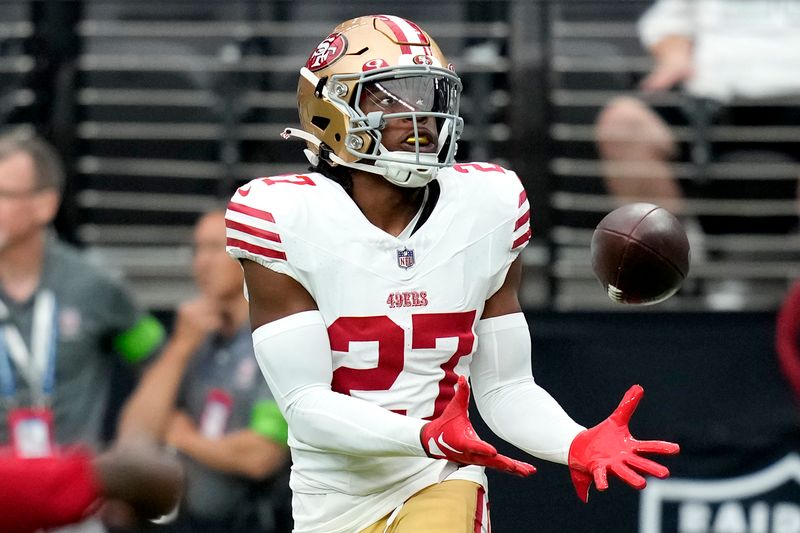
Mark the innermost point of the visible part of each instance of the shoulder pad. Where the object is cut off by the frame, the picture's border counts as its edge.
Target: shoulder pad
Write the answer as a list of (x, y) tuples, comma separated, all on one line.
[(261, 212), (499, 190)]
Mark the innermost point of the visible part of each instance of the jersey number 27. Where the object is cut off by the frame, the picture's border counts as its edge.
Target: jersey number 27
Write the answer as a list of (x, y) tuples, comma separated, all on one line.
[(390, 337)]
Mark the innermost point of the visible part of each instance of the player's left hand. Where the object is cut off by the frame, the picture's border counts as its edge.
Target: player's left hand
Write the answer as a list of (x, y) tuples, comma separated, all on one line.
[(609, 446)]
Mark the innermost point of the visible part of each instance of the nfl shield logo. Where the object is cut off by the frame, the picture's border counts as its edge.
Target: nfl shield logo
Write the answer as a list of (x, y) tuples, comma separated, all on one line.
[(405, 258)]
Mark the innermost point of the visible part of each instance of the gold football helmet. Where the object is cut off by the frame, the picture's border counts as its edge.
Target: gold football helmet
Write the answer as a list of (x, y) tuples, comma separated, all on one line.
[(395, 66)]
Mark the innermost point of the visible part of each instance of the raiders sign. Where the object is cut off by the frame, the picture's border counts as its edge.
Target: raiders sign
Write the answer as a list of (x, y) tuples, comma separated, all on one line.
[(767, 501)]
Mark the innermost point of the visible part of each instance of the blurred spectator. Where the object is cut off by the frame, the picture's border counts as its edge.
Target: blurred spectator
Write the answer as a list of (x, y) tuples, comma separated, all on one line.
[(206, 394), (787, 339), (62, 317), (718, 50)]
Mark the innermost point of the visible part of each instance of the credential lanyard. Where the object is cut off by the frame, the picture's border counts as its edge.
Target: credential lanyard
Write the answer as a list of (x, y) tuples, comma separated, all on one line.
[(37, 365)]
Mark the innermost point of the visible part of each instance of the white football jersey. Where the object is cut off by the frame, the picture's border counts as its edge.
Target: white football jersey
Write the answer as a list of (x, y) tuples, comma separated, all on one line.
[(401, 311)]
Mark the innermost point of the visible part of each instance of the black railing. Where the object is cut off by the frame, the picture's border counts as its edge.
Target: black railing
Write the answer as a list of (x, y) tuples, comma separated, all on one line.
[(151, 102)]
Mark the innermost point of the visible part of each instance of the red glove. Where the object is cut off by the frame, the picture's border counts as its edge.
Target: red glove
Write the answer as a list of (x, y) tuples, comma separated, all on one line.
[(610, 446), (452, 437)]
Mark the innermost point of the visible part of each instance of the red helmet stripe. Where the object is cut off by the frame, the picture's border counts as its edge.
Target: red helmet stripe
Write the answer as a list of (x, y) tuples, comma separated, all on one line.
[(398, 32), (419, 35), (418, 32)]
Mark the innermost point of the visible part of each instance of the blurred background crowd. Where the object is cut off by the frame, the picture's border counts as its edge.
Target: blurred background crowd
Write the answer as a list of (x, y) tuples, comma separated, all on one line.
[(159, 110)]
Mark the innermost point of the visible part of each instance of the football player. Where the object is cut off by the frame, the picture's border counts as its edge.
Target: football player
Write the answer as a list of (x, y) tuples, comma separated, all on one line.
[(382, 280)]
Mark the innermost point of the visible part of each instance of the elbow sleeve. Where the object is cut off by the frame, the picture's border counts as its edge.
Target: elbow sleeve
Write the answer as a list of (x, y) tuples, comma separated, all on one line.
[(511, 403)]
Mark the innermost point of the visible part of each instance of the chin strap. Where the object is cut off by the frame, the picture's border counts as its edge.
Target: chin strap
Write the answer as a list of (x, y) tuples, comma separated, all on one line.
[(334, 159), (402, 174)]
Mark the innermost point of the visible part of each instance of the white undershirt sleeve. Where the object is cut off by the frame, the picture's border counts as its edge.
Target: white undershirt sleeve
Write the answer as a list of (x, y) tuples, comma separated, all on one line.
[(295, 357), (509, 400)]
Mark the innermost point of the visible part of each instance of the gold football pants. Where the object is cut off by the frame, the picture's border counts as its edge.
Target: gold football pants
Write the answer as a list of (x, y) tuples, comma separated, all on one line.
[(455, 506)]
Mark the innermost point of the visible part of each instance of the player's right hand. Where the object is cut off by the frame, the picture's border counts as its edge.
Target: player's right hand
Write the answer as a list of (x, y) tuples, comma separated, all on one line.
[(452, 437)]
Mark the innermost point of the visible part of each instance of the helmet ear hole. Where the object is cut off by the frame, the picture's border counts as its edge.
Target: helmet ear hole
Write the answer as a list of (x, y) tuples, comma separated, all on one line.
[(321, 122), (338, 137)]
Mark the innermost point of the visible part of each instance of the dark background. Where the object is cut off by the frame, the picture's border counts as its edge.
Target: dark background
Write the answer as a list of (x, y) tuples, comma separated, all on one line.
[(711, 383)]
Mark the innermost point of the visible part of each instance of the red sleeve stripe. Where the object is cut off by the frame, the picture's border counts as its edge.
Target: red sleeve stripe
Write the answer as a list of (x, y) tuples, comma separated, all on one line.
[(521, 221), (525, 237), (252, 211), (522, 197), (254, 248), (255, 232)]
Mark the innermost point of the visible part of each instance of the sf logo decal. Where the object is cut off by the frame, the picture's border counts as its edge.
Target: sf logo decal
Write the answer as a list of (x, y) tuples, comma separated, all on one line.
[(327, 52)]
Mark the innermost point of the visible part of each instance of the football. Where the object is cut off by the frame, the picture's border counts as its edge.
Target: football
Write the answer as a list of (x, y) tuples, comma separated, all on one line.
[(640, 254)]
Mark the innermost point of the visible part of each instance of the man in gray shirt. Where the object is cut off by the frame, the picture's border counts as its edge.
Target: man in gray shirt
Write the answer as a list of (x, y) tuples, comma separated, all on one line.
[(62, 320), (206, 393)]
